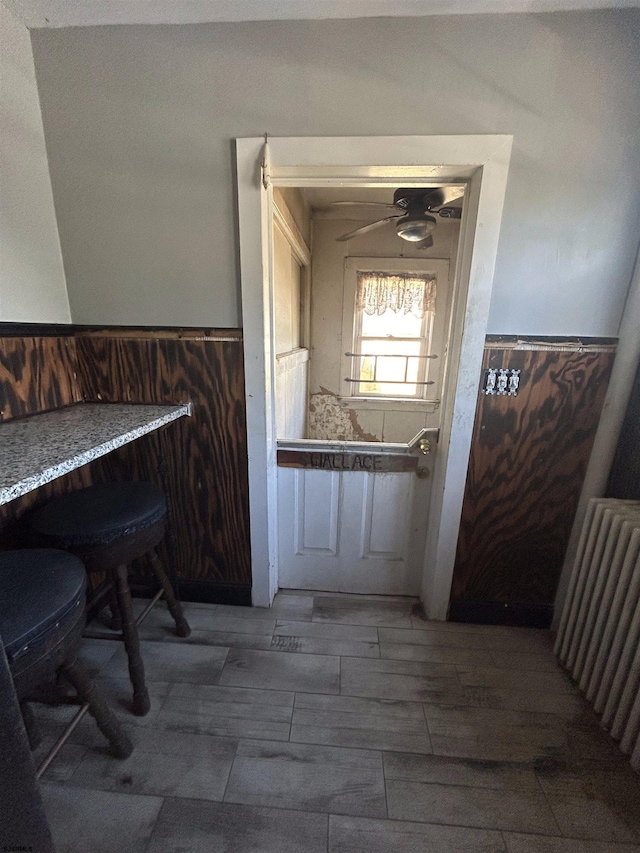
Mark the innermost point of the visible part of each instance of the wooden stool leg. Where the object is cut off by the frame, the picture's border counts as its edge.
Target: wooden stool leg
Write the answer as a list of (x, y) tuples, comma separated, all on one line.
[(116, 622), (30, 725), (98, 708), (141, 703), (175, 608)]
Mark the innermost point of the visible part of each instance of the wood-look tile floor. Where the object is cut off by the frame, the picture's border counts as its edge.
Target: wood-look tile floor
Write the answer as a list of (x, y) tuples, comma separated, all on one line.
[(341, 724)]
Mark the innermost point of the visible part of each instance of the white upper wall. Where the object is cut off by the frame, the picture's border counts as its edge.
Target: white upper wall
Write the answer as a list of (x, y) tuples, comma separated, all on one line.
[(32, 285), (140, 122), (85, 13)]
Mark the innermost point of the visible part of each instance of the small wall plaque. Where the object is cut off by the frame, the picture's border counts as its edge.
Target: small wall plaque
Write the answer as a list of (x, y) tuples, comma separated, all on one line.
[(371, 462)]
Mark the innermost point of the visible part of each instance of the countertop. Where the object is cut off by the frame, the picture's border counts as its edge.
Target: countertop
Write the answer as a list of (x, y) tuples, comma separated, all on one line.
[(37, 449)]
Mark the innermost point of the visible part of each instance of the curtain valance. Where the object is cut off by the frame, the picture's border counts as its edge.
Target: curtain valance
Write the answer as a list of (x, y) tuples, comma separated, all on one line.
[(402, 293)]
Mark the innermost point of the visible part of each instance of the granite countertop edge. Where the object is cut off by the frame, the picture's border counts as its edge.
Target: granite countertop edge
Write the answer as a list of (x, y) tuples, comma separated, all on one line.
[(34, 481)]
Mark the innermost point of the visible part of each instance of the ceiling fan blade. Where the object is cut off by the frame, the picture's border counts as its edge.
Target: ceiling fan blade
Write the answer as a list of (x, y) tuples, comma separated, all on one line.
[(427, 243), (366, 228), (442, 196), (333, 204)]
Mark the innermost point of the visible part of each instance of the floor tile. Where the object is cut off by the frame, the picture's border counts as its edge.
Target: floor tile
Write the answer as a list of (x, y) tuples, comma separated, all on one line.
[(517, 843), (525, 661), (326, 631), (64, 764), (96, 654), (569, 706), (435, 654), (494, 735), (352, 611), (277, 671), (251, 614), (294, 607), (505, 679), (313, 778), (443, 770), (317, 646), (235, 624), (487, 637), (363, 835), (515, 743), (174, 662), (160, 626), (196, 827), (523, 811), (230, 639), (227, 711), (181, 765), (592, 819), (412, 681), (118, 693), (367, 723), (82, 820)]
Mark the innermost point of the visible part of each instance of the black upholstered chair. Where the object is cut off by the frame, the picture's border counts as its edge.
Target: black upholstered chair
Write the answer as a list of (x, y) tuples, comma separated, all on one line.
[(42, 616), (108, 526)]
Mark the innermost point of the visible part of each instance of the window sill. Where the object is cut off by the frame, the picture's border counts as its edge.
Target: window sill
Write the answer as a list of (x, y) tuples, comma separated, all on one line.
[(390, 404)]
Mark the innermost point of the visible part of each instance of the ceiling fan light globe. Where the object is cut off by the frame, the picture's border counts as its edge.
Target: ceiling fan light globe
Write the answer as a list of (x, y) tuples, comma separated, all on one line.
[(415, 228)]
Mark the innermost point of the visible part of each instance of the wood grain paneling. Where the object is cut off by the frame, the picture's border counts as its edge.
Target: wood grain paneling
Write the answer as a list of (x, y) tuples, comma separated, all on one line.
[(37, 374), (528, 459), (200, 461)]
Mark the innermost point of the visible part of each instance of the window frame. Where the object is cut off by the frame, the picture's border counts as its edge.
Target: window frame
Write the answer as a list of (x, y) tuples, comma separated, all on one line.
[(428, 396)]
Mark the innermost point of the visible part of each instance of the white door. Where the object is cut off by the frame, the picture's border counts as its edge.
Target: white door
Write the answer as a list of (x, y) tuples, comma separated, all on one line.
[(345, 530), (351, 517)]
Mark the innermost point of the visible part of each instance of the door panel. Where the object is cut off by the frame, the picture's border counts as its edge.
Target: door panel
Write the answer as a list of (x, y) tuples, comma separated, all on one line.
[(317, 497), (384, 533), (352, 531)]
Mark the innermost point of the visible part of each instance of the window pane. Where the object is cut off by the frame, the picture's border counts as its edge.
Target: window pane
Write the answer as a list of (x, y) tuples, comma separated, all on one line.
[(413, 369), (384, 346), (387, 372), (391, 369), (390, 323)]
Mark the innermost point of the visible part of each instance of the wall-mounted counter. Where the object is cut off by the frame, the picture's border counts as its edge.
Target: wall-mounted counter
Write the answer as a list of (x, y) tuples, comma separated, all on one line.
[(38, 449)]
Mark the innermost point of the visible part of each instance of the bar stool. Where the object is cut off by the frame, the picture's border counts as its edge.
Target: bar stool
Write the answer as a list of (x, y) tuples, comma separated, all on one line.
[(42, 614), (107, 526)]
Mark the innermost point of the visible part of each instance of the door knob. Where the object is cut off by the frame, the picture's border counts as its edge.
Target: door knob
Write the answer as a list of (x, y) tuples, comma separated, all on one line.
[(424, 446)]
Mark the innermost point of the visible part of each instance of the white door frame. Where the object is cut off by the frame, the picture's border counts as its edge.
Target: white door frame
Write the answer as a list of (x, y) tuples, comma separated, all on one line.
[(482, 163)]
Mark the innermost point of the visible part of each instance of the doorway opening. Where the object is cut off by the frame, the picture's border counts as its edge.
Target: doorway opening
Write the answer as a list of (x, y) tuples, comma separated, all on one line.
[(362, 316), (383, 375)]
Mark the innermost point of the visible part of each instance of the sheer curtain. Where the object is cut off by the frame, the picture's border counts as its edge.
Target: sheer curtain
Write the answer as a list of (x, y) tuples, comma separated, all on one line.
[(402, 293)]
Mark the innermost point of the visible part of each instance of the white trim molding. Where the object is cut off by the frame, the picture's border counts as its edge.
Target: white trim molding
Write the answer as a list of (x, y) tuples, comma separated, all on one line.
[(482, 164)]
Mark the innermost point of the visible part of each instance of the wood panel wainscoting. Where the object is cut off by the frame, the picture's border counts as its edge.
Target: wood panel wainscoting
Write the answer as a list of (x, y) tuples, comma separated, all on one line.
[(201, 461), (528, 460)]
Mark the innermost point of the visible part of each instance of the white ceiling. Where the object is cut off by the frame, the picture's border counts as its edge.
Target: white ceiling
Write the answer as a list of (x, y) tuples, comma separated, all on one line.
[(79, 13)]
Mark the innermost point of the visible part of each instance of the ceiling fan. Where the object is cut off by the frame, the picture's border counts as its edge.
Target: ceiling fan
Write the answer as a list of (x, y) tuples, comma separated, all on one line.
[(414, 213)]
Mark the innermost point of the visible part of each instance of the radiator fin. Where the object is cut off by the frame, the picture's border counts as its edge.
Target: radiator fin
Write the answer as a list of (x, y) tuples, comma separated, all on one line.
[(598, 638)]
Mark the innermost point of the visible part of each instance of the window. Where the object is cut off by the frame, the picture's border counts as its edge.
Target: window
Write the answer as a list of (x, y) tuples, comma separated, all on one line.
[(392, 333)]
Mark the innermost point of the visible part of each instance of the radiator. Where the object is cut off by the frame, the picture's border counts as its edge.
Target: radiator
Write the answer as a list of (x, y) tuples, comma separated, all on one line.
[(598, 638)]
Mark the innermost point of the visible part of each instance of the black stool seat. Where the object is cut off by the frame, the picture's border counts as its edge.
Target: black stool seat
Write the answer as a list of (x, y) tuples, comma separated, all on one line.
[(42, 614), (108, 526), (99, 514), (39, 590)]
